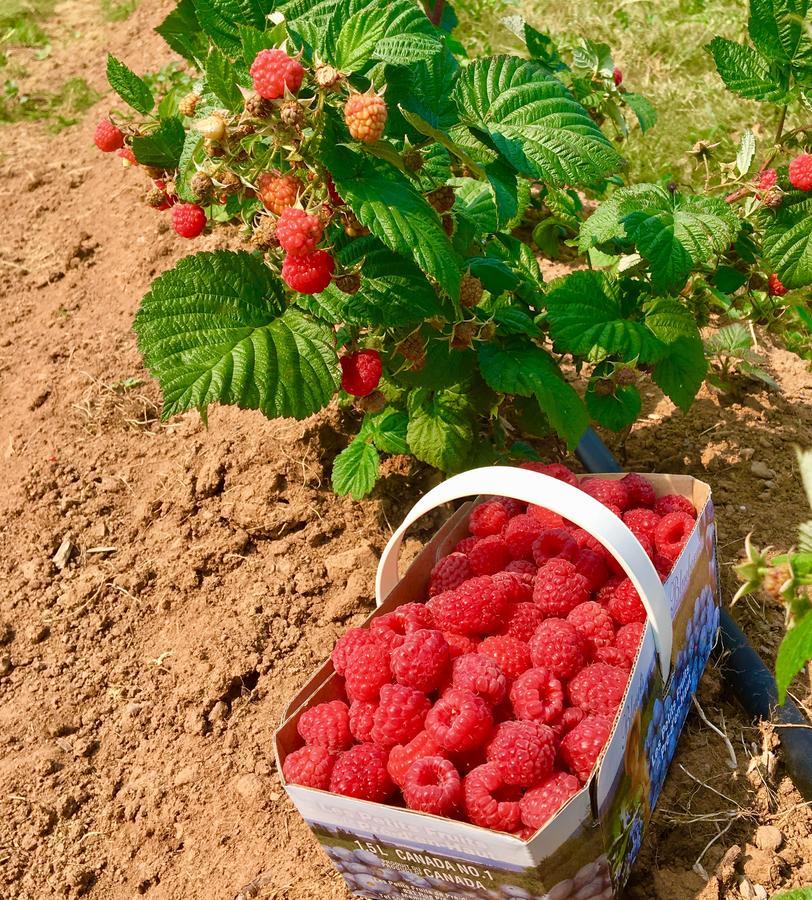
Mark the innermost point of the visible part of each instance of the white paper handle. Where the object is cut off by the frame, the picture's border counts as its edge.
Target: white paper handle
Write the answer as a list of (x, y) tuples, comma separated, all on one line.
[(569, 502)]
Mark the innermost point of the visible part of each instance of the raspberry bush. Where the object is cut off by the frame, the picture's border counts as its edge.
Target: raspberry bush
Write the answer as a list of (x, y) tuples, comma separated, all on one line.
[(395, 197)]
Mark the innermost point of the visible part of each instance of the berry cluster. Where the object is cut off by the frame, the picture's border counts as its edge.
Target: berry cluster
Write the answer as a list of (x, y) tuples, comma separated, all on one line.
[(493, 700), (669, 714)]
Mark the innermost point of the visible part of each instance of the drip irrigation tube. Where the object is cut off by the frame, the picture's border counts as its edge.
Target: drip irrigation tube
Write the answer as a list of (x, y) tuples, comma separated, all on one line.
[(742, 669)]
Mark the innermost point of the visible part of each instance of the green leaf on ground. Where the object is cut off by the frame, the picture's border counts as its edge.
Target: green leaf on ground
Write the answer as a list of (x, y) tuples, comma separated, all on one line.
[(355, 469)]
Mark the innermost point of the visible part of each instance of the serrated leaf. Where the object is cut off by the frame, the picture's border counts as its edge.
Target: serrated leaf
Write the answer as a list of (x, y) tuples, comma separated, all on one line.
[(161, 149), (681, 372), (475, 201), (730, 339), (616, 410), (220, 19), (642, 108), (746, 72), (520, 367), (222, 78), (586, 317), (387, 429), (309, 19), (181, 31), (729, 280), (793, 654), (533, 121), (355, 469), (513, 320), (386, 203), (669, 320), (215, 329), (796, 894), (746, 152), (441, 429), (519, 257), (443, 368), (186, 165), (787, 241), (779, 30), (496, 276), (133, 90), (252, 40)]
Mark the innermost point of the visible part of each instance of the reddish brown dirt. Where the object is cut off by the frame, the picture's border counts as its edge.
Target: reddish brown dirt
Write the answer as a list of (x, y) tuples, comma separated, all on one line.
[(213, 568)]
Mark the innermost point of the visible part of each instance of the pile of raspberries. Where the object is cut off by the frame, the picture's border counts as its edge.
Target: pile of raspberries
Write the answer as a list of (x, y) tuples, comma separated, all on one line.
[(491, 702)]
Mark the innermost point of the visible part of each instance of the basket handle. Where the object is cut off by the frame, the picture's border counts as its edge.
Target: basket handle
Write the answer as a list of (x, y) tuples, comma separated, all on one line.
[(564, 499)]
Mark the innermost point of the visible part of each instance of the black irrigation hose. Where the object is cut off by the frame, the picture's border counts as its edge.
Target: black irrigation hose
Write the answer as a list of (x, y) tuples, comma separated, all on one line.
[(742, 669)]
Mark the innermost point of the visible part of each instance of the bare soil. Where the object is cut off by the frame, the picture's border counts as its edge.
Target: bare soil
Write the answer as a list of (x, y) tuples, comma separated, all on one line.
[(210, 569)]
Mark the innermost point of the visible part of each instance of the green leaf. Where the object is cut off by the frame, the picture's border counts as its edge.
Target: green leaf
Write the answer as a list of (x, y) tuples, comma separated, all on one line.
[(730, 340), (475, 201), (133, 90), (746, 152), (642, 108), (519, 257), (186, 165), (681, 372), (587, 318), (215, 329), (779, 30), (747, 73), (252, 40), (796, 894), (385, 202), (220, 19), (787, 241), (222, 80), (729, 280), (793, 654), (520, 367), (162, 148), (533, 121), (617, 410), (355, 469), (181, 31), (506, 193), (441, 429), (388, 430), (669, 320), (393, 290)]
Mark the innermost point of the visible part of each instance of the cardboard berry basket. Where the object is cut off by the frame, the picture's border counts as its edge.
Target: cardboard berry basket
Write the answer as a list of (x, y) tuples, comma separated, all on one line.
[(586, 850)]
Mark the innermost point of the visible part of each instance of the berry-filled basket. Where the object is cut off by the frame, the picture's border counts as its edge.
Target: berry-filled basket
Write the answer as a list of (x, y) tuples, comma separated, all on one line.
[(502, 724)]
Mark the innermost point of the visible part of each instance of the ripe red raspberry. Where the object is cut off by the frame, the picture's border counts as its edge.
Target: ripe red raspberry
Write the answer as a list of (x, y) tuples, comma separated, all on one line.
[(568, 719), (481, 675), (624, 604), (459, 720), (476, 607), (449, 573), (617, 76), (554, 543), (545, 517), (487, 518), (309, 766), (612, 656), (523, 621), (366, 671), (559, 588), (489, 555), (519, 534), (537, 695), (641, 493), (587, 541), (604, 594), (309, 274), (188, 219), (800, 172), (629, 638), (298, 232), (671, 534), (274, 72), (361, 772), (674, 503), (489, 802), (641, 521), (107, 137), (613, 494), (401, 756), (767, 180), (557, 645), (365, 115), (278, 192), (593, 567), (524, 752), (774, 286), (326, 725), (361, 372), (598, 689), (518, 586), (509, 653), (362, 718), (581, 748), (459, 644), (594, 623), (554, 470), (465, 544), (514, 507), (400, 715), (522, 567), (347, 643), (433, 785), (127, 156), (422, 661), (544, 801), (391, 628)]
